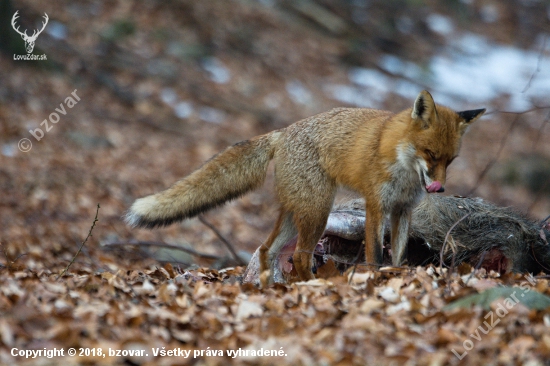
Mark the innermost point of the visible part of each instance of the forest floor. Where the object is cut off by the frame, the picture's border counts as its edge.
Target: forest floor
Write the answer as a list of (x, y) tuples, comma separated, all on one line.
[(136, 95)]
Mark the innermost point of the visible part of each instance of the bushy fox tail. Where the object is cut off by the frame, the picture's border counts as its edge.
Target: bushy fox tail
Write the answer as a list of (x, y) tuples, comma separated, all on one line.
[(228, 175)]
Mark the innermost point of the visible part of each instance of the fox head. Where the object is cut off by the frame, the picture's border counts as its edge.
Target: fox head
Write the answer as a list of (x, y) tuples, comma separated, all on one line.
[(437, 132)]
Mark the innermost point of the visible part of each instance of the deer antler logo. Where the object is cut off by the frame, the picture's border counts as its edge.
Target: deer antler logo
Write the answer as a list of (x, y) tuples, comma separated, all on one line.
[(29, 40)]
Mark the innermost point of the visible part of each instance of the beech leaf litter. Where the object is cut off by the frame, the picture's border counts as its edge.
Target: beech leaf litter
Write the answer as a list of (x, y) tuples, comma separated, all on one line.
[(133, 95), (166, 315)]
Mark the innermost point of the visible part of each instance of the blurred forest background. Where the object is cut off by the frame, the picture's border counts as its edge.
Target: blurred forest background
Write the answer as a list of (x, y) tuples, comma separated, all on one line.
[(166, 84)]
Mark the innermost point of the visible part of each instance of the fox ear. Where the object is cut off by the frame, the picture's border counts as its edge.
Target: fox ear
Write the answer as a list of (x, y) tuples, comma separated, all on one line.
[(423, 109), (469, 117)]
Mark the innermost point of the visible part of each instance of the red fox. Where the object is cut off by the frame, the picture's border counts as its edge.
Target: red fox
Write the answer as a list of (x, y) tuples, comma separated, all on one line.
[(392, 160)]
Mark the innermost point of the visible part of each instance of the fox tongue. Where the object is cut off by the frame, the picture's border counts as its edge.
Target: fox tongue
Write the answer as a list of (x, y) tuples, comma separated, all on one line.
[(433, 187)]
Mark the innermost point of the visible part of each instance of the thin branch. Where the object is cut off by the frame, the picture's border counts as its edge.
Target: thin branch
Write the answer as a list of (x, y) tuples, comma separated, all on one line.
[(539, 60), (534, 256), (451, 268), (355, 263), (535, 108), (490, 164), (166, 246), (223, 239), (9, 262), (539, 132), (81, 245), (447, 237), (365, 264), (478, 266), (538, 195), (175, 262)]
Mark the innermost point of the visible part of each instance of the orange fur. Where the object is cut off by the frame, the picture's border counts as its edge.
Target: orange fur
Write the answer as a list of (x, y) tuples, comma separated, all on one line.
[(390, 159)]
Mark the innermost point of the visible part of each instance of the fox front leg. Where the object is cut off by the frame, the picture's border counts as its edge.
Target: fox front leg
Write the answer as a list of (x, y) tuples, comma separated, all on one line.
[(374, 236), (400, 222)]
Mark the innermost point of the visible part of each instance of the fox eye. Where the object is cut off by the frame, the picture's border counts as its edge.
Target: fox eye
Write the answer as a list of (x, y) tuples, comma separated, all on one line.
[(431, 154)]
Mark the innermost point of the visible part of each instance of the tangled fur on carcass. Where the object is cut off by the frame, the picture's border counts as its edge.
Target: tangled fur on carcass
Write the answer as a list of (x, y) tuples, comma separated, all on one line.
[(483, 235), (495, 237)]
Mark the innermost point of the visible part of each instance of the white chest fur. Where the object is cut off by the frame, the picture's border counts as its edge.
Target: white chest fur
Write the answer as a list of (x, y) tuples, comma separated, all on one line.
[(408, 180)]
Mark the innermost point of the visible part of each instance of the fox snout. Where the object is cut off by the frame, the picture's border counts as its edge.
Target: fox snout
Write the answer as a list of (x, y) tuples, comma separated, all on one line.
[(432, 186), (435, 186)]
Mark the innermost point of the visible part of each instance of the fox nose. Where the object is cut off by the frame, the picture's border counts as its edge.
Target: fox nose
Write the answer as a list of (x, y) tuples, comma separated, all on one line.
[(435, 187)]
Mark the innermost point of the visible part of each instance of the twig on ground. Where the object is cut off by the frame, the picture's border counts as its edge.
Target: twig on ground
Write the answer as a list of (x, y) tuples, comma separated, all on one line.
[(9, 262), (478, 266), (443, 249), (224, 240), (355, 264), (81, 245), (166, 246)]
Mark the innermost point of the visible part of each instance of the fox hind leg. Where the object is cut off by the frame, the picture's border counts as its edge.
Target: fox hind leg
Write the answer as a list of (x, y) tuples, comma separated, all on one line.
[(311, 226), (304, 188), (308, 236), (283, 231)]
